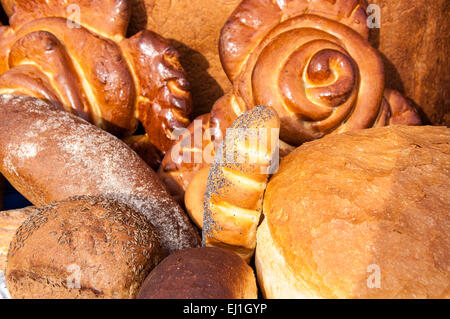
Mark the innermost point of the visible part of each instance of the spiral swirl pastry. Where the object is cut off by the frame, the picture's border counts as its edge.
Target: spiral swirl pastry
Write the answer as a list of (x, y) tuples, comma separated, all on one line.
[(312, 63), (310, 60), (77, 56)]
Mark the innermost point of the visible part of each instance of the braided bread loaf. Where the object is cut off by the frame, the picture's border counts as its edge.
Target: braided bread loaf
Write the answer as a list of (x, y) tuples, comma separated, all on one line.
[(309, 60), (77, 57)]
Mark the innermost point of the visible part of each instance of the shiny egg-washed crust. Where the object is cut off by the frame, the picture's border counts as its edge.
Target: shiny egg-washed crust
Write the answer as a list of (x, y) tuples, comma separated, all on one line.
[(9, 223), (237, 180), (195, 194), (193, 26), (270, 49), (49, 155), (200, 273), (310, 60), (103, 248), (353, 207), (91, 69)]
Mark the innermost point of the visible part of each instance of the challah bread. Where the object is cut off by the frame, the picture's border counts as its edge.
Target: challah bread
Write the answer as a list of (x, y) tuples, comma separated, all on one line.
[(77, 56), (362, 214), (237, 181), (194, 26), (48, 155), (200, 273), (9, 223), (84, 247), (309, 60)]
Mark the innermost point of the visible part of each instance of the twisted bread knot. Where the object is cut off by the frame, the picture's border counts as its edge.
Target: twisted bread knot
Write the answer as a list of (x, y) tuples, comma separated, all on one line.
[(89, 68), (310, 61)]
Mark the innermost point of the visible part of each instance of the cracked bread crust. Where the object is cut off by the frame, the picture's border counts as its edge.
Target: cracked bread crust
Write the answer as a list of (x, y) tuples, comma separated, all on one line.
[(341, 207)]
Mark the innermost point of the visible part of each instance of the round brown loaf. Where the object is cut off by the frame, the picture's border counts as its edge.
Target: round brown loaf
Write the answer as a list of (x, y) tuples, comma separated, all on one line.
[(200, 273), (50, 155), (85, 247), (344, 209)]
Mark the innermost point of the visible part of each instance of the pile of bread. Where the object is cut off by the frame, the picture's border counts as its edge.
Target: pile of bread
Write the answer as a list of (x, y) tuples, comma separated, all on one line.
[(346, 198)]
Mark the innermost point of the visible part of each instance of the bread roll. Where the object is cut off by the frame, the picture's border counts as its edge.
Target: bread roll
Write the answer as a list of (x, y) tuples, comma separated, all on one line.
[(362, 214), (85, 247), (237, 181), (49, 155), (414, 39), (9, 223), (200, 273), (194, 28)]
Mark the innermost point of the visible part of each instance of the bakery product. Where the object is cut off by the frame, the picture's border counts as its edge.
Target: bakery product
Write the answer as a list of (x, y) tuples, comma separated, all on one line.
[(361, 214), (323, 43), (195, 195), (9, 223), (84, 247), (77, 56), (309, 60), (194, 28), (237, 181), (49, 155), (416, 58), (200, 273)]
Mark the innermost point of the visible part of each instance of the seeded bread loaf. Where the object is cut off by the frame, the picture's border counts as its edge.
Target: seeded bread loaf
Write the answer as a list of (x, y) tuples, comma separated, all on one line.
[(85, 247)]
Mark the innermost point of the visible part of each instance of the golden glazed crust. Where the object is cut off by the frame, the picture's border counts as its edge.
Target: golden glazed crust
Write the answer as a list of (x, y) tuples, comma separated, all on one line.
[(76, 55), (200, 273), (309, 60), (344, 206), (104, 248), (194, 28)]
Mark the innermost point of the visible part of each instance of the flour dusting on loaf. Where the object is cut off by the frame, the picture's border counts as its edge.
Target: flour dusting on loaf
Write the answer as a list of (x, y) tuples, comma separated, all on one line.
[(50, 155)]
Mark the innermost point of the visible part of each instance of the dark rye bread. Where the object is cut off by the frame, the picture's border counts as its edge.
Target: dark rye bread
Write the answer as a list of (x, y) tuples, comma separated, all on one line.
[(84, 247), (200, 273), (50, 155)]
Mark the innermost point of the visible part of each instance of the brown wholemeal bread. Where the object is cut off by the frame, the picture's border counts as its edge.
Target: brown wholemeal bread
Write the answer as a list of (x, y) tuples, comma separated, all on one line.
[(48, 155), (9, 223), (237, 180), (200, 273), (415, 42), (362, 214), (194, 28), (84, 247)]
